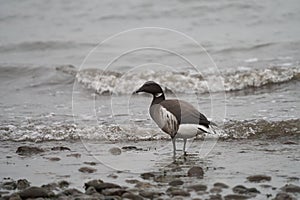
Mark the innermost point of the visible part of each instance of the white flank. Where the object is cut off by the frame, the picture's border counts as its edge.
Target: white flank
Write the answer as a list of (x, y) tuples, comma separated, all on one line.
[(187, 131)]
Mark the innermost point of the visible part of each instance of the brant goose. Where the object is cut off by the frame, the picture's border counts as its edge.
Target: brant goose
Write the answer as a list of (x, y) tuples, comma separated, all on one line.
[(177, 118)]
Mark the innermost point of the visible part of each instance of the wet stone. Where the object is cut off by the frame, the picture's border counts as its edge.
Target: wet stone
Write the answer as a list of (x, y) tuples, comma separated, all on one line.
[(215, 197), (235, 197), (258, 178), (22, 184), (87, 170), (113, 192), (284, 196), (289, 142), (147, 175), (240, 189), (131, 148), (131, 196), (71, 192), (60, 148), (291, 188), (10, 185), (75, 155), (115, 151), (176, 183), (195, 172), (216, 190), (149, 194), (27, 150), (93, 183), (221, 185), (90, 163), (198, 187), (179, 192), (102, 186), (63, 184), (33, 192), (53, 158)]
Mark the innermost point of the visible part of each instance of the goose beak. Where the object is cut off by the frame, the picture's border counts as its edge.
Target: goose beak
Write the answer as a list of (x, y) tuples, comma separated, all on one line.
[(137, 91)]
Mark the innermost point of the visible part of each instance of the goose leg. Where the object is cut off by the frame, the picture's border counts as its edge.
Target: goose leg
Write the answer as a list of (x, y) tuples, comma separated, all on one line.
[(184, 143), (174, 146)]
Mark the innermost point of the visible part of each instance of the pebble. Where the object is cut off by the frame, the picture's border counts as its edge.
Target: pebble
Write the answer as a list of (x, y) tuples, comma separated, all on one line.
[(284, 196), (240, 189), (131, 196), (176, 182), (258, 178), (180, 192), (149, 194), (215, 197), (53, 158), (147, 175), (291, 188), (27, 150), (215, 190), (33, 192), (235, 197), (198, 187), (87, 170), (22, 184), (221, 185), (10, 185), (195, 172), (115, 151), (60, 148), (75, 155)]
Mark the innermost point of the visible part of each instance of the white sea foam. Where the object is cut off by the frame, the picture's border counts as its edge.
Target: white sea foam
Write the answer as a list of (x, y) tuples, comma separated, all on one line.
[(107, 82)]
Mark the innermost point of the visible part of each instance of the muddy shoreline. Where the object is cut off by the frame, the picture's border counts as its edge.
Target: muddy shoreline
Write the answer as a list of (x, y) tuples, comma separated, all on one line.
[(235, 169)]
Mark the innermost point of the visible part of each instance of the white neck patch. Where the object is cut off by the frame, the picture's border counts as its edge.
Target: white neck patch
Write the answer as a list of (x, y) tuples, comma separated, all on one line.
[(158, 94)]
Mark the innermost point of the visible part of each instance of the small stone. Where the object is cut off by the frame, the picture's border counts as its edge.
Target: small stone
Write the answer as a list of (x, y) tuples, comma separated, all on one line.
[(179, 192), (291, 188), (131, 196), (50, 186), (235, 197), (22, 184), (93, 183), (87, 170), (112, 176), (63, 184), (53, 158), (176, 183), (258, 178), (221, 185), (290, 142), (113, 192), (34, 192), (115, 151), (131, 148), (75, 155), (103, 186), (71, 192), (90, 163), (215, 197), (27, 150), (149, 194), (10, 185), (198, 187), (132, 181), (15, 196), (60, 148), (147, 175), (216, 190), (195, 172), (284, 196)]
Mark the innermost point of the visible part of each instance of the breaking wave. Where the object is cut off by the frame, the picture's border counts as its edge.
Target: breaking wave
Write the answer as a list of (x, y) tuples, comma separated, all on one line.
[(108, 82)]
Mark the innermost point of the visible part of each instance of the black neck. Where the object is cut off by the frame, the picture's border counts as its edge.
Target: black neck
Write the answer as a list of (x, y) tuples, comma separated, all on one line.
[(158, 99)]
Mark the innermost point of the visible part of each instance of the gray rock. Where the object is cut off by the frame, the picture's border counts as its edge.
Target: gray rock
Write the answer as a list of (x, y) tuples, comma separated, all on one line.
[(240, 189), (115, 151), (291, 188), (113, 192), (147, 175), (149, 194), (235, 197), (63, 184), (216, 190), (22, 184), (131, 196), (258, 178), (176, 182), (27, 150), (103, 186), (34, 192), (221, 185), (87, 170), (179, 192), (93, 183), (71, 192), (284, 196), (195, 172), (198, 187), (15, 197), (60, 148), (215, 197), (10, 185)]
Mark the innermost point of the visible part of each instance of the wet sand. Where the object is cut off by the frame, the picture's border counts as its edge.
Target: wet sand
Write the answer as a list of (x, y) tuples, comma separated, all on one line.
[(257, 169)]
